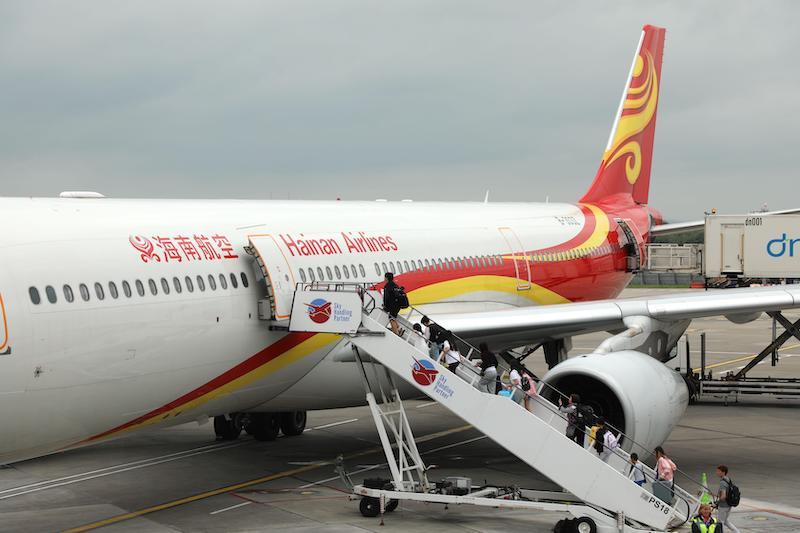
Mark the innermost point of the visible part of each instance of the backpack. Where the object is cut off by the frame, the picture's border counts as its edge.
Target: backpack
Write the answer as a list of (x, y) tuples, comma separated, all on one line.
[(525, 383), (436, 333), (584, 415), (400, 297), (733, 495)]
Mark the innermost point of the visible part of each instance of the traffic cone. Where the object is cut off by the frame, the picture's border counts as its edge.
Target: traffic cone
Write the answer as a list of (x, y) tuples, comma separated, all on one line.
[(705, 497)]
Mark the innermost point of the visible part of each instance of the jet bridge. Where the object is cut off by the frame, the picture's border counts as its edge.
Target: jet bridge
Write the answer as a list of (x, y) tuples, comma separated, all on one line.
[(605, 498)]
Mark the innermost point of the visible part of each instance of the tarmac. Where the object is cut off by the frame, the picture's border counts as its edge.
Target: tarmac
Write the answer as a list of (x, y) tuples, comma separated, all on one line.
[(182, 479)]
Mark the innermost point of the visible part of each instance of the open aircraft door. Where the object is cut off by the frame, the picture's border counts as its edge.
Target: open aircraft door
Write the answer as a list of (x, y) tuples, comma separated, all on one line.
[(522, 264), (277, 275)]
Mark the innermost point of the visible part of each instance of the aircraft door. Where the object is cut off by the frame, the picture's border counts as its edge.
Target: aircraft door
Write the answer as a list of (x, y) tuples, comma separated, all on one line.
[(732, 249), (277, 274), (522, 265)]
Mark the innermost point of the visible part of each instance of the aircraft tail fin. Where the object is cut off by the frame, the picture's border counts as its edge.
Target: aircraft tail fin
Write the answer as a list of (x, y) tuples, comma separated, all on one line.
[(627, 159)]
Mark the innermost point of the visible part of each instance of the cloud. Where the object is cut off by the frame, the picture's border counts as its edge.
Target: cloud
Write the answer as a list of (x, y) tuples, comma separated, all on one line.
[(414, 99)]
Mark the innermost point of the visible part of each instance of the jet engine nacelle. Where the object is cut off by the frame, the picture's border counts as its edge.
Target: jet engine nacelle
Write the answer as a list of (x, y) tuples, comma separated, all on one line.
[(634, 392)]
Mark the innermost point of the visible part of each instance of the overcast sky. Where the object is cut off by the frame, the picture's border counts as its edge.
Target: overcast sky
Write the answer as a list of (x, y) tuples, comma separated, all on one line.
[(361, 100)]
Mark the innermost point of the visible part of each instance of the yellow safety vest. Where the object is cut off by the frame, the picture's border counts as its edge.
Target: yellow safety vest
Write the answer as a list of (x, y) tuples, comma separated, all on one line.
[(703, 527)]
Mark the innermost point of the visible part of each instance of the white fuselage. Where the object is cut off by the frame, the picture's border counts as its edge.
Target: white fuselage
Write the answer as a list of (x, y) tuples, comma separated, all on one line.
[(73, 371)]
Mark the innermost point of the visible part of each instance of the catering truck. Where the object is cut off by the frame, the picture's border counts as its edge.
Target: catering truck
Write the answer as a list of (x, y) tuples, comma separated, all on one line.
[(752, 246)]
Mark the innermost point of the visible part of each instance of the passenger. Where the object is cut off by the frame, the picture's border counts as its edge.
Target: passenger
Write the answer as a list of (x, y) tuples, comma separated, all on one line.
[(391, 302), (506, 387), (723, 507), (417, 340), (575, 428), (600, 440), (524, 382), (704, 522), (488, 382), (433, 350), (436, 335), (450, 354), (665, 469), (610, 443), (636, 472)]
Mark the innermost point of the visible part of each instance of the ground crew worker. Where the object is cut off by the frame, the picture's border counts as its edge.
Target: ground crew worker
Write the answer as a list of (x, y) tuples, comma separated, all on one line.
[(704, 522)]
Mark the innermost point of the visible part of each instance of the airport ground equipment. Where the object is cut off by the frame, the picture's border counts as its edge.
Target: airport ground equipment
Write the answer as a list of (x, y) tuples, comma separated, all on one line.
[(752, 246), (606, 499)]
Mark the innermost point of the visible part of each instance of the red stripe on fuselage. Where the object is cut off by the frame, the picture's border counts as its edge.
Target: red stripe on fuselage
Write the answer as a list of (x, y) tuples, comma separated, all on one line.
[(261, 358)]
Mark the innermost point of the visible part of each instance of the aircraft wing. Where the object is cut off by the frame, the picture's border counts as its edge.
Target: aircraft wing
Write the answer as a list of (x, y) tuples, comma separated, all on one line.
[(683, 227), (528, 325)]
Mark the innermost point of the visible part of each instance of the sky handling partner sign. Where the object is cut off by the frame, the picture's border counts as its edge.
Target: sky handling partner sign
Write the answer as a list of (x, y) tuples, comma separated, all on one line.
[(325, 312)]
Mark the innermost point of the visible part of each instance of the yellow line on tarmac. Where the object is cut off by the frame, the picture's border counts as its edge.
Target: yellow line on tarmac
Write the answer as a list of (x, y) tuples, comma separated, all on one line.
[(242, 485), (740, 359)]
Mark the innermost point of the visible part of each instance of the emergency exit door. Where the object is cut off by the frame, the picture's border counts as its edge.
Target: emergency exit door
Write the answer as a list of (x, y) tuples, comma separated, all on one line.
[(522, 266), (277, 274), (732, 242)]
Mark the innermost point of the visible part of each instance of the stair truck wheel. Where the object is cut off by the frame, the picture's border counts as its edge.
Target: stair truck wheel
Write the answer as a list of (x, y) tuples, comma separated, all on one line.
[(225, 428), (585, 524), (264, 426), (369, 507), (293, 423)]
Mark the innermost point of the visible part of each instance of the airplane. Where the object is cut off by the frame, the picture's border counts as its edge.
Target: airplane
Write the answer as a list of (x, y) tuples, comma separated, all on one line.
[(125, 314)]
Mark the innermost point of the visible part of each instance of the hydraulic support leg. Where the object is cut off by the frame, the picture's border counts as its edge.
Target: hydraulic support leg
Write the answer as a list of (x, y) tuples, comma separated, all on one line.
[(792, 330)]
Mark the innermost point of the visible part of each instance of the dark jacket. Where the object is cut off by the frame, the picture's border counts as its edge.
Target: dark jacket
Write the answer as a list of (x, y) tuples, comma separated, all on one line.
[(390, 301)]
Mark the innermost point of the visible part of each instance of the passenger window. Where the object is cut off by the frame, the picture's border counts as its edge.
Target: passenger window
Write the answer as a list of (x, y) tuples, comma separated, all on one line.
[(34, 294), (153, 287), (427, 265), (345, 271), (176, 284), (165, 285), (245, 283), (362, 271), (319, 274), (377, 269), (302, 275), (189, 285), (51, 294), (338, 271), (84, 292), (393, 268), (212, 284), (405, 265), (223, 283), (201, 284), (234, 281), (354, 271), (98, 290), (112, 290), (126, 288), (139, 287), (383, 266), (68, 296), (311, 274)]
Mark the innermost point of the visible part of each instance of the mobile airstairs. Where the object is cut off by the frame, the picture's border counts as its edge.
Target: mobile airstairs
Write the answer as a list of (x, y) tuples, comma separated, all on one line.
[(598, 494)]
